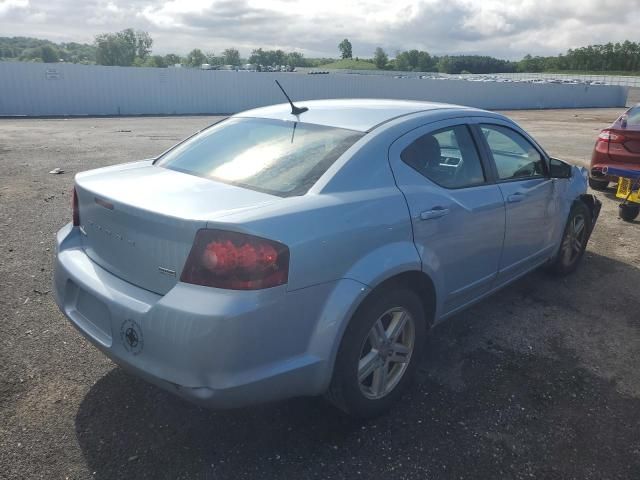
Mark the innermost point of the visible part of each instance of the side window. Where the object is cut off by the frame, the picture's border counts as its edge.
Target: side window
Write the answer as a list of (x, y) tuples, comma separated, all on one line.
[(447, 157), (514, 156)]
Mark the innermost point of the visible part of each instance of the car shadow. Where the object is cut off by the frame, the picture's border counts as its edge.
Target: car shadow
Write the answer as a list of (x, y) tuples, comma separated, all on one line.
[(610, 193), (485, 405)]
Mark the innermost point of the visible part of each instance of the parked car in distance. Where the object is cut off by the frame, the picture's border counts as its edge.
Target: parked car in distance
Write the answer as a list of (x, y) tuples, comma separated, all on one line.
[(616, 146), (276, 254)]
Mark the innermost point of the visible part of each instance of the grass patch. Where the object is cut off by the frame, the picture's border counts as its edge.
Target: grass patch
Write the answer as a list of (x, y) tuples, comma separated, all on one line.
[(350, 63)]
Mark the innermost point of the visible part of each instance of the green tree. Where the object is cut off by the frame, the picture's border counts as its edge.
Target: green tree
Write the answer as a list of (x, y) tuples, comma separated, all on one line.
[(143, 44), (122, 48), (474, 64), (231, 56), (153, 61), (196, 58), (112, 50), (380, 58), (277, 57), (413, 56), (416, 60), (49, 54), (172, 59), (212, 59), (77, 52), (258, 56), (425, 62), (401, 61), (296, 59), (130, 43), (345, 48)]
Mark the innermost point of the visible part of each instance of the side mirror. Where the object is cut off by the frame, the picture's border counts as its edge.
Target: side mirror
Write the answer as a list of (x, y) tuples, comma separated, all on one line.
[(559, 169)]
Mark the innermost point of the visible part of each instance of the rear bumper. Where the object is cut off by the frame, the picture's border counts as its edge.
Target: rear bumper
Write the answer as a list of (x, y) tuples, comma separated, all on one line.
[(216, 347), (595, 171)]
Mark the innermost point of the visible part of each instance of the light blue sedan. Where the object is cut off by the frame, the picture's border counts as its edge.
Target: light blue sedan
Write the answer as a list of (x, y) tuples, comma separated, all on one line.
[(278, 254)]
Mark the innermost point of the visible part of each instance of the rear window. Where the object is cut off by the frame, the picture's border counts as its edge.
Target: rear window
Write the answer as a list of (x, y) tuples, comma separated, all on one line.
[(272, 156), (633, 116)]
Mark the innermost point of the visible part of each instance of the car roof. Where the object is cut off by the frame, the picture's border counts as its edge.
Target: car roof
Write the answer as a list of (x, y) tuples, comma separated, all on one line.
[(353, 114)]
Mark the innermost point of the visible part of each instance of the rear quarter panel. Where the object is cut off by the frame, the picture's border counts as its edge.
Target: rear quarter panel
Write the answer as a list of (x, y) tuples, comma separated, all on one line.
[(362, 235)]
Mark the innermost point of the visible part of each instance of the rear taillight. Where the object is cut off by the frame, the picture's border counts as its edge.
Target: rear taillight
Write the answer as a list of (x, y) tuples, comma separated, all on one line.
[(610, 137), (74, 209), (235, 261)]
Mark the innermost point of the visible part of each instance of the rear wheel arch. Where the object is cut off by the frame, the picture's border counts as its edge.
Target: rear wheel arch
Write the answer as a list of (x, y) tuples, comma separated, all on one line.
[(593, 204), (416, 281), (411, 290), (588, 199)]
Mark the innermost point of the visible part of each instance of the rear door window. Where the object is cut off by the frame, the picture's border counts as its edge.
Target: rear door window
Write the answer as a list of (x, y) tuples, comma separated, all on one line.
[(447, 157), (272, 156)]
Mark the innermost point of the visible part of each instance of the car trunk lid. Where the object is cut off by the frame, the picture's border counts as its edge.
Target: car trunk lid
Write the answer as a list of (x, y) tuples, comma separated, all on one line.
[(139, 221)]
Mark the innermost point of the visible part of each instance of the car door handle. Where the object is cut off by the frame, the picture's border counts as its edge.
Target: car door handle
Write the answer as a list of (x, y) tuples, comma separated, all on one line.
[(516, 197), (435, 212)]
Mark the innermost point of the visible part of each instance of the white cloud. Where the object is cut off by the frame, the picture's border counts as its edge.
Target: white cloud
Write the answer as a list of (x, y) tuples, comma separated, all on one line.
[(7, 5), (506, 28)]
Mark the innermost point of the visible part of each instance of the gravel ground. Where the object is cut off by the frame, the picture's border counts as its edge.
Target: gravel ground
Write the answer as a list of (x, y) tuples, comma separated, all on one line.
[(541, 380)]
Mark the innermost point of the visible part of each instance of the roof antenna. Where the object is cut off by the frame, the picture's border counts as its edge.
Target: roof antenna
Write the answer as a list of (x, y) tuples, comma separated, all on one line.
[(294, 110)]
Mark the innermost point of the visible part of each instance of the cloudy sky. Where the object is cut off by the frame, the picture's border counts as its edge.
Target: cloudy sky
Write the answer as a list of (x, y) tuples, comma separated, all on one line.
[(507, 29)]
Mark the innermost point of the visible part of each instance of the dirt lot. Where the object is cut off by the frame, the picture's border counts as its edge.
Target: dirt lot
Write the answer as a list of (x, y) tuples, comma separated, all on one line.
[(541, 380)]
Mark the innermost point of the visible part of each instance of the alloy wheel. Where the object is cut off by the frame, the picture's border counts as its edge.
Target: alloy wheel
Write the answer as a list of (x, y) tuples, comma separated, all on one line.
[(574, 240), (386, 353)]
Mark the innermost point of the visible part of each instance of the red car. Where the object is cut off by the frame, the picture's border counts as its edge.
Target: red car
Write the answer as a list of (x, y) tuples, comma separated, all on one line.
[(617, 146)]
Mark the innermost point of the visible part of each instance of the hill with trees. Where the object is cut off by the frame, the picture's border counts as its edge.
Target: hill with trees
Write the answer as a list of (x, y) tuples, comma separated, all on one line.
[(134, 48), (611, 57), (620, 57)]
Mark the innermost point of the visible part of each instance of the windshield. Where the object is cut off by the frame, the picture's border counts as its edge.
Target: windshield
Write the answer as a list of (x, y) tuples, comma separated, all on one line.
[(272, 156)]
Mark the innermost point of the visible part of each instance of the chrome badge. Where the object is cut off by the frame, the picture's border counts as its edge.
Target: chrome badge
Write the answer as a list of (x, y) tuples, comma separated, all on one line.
[(167, 271)]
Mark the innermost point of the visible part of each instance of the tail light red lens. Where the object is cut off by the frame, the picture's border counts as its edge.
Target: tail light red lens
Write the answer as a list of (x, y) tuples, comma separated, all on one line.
[(611, 137), (75, 210), (235, 261)]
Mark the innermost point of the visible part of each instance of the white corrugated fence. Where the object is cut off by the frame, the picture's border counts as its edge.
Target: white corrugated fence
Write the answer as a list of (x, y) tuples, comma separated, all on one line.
[(37, 89)]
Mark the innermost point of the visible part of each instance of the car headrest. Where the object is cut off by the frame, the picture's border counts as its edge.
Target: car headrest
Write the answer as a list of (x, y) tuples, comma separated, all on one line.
[(421, 152)]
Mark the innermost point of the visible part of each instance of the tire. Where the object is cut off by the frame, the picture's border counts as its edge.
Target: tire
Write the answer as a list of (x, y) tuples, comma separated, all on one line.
[(599, 185), (573, 244), (628, 212), (367, 396)]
